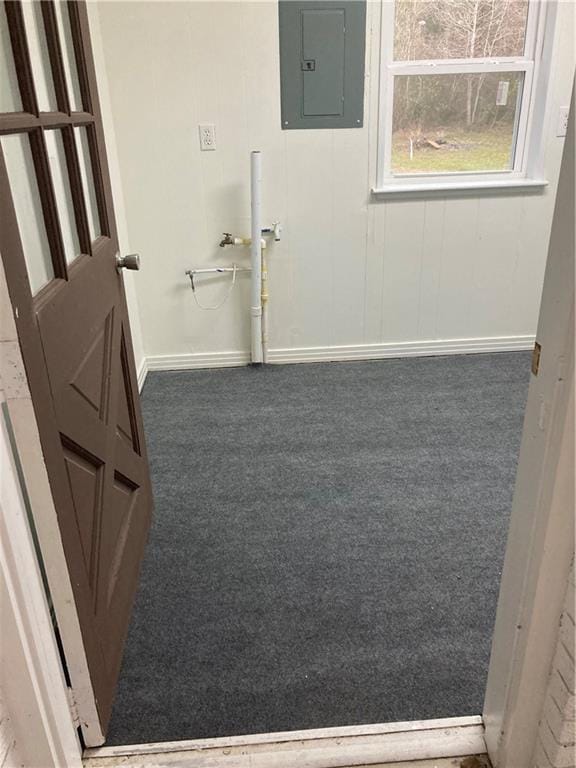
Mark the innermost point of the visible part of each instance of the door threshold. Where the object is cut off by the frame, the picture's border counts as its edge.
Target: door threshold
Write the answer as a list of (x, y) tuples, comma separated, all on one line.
[(318, 748)]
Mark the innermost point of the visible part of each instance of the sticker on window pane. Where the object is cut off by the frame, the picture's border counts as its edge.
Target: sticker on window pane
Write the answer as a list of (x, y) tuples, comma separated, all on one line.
[(63, 194), (502, 93), (26, 198), (83, 149), (455, 123), (69, 58), (459, 29), (39, 58), (9, 92)]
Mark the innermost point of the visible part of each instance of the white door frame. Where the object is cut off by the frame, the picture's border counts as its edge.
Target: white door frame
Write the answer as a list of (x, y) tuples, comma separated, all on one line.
[(540, 545), (19, 419), (32, 680), (537, 563)]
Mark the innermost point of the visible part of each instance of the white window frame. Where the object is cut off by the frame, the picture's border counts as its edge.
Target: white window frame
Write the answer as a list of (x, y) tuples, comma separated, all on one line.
[(525, 172)]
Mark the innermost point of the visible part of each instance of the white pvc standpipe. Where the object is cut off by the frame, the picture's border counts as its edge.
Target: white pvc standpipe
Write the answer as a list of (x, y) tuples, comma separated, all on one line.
[(264, 295), (256, 257)]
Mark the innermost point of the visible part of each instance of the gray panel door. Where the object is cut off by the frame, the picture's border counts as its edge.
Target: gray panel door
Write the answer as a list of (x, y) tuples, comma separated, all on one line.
[(323, 50)]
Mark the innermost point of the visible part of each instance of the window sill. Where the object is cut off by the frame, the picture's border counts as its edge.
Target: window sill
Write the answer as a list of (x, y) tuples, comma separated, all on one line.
[(459, 188)]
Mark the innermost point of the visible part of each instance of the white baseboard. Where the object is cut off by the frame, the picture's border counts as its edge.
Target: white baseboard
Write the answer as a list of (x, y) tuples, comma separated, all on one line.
[(402, 349), (197, 360), (359, 745), (142, 373), (341, 353)]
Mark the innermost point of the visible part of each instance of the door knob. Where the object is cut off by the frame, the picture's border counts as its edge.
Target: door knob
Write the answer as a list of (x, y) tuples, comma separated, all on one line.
[(130, 261)]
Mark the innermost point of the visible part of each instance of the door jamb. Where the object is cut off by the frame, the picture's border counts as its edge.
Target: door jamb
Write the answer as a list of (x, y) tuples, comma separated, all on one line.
[(30, 638), (35, 484), (43, 708), (540, 545)]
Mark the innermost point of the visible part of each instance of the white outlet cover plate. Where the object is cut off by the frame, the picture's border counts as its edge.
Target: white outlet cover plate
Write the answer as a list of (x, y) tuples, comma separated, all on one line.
[(207, 133), (562, 121)]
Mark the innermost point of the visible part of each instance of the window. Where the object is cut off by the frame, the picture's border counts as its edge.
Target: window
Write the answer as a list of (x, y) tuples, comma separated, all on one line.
[(457, 92)]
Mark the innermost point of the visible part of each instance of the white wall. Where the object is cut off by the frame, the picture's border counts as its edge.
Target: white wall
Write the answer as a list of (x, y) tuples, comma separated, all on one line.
[(116, 182), (350, 271)]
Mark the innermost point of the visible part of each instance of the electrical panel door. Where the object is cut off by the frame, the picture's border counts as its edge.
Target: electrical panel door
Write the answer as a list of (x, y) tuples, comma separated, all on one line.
[(322, 49)]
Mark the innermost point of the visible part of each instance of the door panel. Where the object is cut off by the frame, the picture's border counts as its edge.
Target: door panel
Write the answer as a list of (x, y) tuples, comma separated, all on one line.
[(73, 328)]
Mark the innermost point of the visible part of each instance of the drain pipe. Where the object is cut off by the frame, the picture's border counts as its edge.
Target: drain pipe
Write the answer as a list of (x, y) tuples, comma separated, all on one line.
[(264, 295), (256, 258), (275, 230)]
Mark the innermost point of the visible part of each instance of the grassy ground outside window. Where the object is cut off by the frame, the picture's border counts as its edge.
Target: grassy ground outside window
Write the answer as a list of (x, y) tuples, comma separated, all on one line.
[(464, 151)]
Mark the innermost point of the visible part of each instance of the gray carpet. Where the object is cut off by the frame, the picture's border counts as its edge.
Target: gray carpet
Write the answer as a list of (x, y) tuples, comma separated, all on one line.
[(327, 545)]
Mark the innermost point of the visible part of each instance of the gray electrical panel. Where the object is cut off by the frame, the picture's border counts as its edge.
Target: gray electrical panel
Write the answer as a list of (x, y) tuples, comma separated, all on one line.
[(322, 49)]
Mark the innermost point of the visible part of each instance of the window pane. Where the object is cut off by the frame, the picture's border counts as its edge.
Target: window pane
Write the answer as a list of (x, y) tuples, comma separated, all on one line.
[(63, 194), (26, 197), (9, 92), (65, 34), (451, 123), (81, 135), (462, 29), (36, 36)]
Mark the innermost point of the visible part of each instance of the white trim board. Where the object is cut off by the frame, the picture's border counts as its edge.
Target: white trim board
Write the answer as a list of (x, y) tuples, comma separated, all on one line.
[(196, 360), (42, 721), (426, 348), (141, 373), (541, 534), (319, 748), (33, 479)]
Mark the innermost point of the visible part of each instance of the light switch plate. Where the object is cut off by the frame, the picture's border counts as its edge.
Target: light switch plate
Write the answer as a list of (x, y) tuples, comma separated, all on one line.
[(562, 121), (207, 133)]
